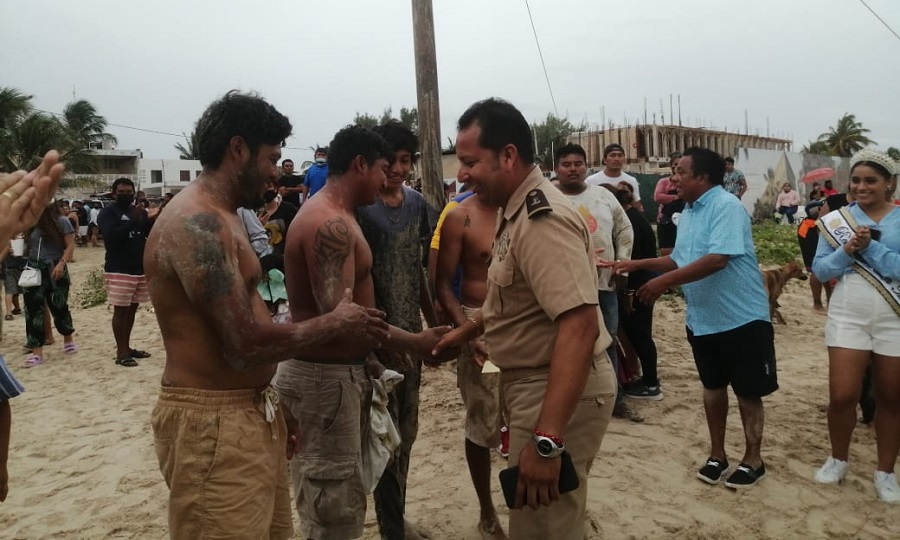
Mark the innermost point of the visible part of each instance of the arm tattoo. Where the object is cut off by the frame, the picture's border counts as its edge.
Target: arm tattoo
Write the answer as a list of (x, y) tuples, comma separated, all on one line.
[(332, 247), (209, 255)]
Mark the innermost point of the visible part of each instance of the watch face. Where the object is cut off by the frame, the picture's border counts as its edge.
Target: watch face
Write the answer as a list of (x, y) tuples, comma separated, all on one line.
[(545, 447)]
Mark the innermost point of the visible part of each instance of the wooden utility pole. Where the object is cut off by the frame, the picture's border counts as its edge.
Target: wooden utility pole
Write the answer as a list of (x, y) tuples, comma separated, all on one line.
[(428, 104)]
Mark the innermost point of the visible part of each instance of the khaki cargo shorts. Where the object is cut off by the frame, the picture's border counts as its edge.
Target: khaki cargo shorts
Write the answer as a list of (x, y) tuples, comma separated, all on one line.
[(481, 396)]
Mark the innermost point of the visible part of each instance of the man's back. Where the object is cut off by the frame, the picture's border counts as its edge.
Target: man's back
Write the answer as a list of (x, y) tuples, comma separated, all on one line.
[(191, 244)]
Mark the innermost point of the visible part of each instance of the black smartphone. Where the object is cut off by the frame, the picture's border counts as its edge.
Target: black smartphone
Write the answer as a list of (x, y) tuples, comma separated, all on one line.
[(568, 479), (876, 234)]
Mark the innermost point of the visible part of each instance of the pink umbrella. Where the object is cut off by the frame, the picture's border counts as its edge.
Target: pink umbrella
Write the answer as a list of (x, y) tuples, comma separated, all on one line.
[(817, 175)]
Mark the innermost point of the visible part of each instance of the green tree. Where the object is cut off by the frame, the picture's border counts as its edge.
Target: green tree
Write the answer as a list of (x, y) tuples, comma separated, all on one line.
[(26, 135), (365, 120), (408, 117), (894, 153), (551, 134), (189, 150), (86, 126), (846, 137), (816, 147)]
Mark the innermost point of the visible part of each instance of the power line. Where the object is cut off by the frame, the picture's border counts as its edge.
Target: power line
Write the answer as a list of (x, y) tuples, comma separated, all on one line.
[(886, 25), (157, 132), (541, 53)]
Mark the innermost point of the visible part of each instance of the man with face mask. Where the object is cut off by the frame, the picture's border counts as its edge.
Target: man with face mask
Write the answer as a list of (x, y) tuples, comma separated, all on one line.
[(125, 227), (317, 174)]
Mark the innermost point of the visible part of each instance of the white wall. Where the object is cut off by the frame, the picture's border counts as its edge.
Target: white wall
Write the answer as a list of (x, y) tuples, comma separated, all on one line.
[(158, 176)]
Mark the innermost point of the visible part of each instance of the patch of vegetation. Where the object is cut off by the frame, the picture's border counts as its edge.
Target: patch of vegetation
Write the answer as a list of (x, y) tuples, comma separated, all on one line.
[(775, 244), (93, 293)]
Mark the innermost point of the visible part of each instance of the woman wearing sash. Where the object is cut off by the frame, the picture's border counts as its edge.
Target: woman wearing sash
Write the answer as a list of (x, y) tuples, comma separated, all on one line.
[(859, 245)]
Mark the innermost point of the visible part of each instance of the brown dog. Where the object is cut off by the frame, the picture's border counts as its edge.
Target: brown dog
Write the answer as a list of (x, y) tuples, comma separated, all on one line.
[(774, 281)]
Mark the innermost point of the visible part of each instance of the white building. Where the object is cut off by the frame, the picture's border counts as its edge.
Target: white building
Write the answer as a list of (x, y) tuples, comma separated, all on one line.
[(156, 177)]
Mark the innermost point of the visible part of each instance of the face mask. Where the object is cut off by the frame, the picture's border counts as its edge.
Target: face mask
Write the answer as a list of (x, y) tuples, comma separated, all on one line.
[(321, 160), (124, 199), (269, 196)]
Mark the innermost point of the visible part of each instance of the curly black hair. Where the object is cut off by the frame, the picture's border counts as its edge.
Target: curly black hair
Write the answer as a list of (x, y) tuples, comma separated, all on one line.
[(243, 115)]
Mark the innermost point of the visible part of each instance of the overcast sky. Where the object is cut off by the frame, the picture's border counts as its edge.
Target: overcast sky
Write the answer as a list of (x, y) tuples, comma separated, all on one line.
[(157, 64)]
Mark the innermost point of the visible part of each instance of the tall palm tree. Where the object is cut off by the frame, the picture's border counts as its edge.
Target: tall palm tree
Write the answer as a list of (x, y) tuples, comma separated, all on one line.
[(846, 137), (13, 106), (190, 150), (29, 139), (85, 124)]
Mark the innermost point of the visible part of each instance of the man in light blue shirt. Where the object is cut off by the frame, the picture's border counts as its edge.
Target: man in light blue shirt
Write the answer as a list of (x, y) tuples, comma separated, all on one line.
[(728, 323)]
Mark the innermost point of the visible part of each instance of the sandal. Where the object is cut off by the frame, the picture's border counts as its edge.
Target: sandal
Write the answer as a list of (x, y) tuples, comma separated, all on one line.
[(137, 353), (8, 317), (70, 348), (126, 361), (33, 360)]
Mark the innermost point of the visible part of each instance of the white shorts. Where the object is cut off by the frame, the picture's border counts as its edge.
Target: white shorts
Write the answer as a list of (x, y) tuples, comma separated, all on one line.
[(82, 230), (859, 318)]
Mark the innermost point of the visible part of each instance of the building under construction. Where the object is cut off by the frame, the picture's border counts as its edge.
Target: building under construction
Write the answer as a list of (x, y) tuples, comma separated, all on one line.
[(647, 147)]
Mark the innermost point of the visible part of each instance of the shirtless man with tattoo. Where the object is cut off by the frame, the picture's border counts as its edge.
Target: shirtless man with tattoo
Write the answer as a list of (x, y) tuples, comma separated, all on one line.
[(220, 435), (327, 253)]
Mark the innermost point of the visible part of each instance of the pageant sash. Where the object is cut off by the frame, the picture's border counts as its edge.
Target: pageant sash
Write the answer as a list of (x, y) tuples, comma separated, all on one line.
[(838, 228)]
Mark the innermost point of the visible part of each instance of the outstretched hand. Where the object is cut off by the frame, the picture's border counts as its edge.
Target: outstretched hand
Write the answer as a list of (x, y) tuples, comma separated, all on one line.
[(360, 323), (24, 195)]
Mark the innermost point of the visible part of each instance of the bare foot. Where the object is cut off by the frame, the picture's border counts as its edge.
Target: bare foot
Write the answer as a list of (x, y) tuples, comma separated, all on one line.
[(820, 309), (491, 530), (415, 532)]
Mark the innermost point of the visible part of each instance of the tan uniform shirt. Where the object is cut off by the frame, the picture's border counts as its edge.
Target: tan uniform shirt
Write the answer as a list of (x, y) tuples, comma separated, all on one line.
[(542, 266)]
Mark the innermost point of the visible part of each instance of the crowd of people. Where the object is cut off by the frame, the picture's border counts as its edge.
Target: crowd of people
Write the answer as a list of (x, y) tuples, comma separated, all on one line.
[(285, 303)]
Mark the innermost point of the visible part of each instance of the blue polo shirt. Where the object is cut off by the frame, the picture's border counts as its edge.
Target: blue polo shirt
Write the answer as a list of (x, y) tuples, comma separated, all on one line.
[(717, 223)]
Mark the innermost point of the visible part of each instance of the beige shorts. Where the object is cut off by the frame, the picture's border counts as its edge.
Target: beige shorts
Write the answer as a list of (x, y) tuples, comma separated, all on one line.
[(224, 463), (523, 395), (860, 318), (331, 402), (481, 397)]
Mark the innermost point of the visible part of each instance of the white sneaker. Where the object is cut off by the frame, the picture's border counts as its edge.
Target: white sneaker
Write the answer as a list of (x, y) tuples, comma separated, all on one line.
[(886, 486), (833, 472)]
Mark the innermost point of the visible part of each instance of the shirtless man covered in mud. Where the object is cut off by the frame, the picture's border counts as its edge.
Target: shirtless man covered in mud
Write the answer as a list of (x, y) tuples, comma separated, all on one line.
[(219, 432), (327, 253)]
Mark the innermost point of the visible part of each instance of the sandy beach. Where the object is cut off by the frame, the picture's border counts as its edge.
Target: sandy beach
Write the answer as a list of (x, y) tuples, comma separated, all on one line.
[(82, 463)]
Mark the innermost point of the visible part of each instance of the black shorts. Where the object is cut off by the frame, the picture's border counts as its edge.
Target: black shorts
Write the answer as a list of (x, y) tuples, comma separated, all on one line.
[(666, 233), (743, 357)]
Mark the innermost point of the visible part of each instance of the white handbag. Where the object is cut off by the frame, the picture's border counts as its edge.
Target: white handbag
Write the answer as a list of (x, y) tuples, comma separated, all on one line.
[(31, 277)]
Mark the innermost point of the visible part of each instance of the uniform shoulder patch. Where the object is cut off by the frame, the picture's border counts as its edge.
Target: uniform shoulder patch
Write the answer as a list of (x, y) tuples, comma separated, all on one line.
[(536, 204)]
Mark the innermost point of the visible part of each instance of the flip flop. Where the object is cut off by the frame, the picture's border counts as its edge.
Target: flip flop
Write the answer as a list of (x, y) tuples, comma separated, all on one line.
[(33, 360), (137, 353), (70, 348), (8, 317), (126, 361)]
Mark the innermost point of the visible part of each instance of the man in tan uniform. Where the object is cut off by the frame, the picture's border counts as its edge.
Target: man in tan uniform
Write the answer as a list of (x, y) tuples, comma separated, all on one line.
[(219, 432), (541, 321)]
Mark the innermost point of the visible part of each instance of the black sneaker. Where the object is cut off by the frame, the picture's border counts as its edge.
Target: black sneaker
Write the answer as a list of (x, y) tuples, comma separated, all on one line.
[(713, 472), (639, 390), (745, 476)]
